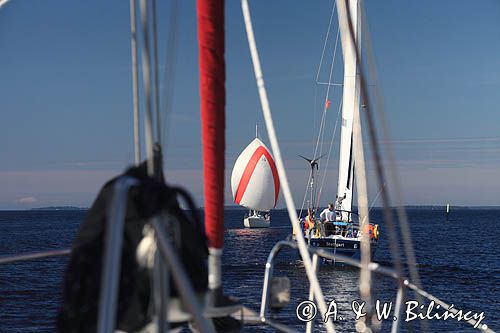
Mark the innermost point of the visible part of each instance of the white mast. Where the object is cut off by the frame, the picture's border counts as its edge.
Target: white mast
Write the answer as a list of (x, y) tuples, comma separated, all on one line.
[(350, 102)]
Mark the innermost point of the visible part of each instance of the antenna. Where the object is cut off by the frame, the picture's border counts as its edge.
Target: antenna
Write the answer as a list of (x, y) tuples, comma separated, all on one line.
[(256, 130)]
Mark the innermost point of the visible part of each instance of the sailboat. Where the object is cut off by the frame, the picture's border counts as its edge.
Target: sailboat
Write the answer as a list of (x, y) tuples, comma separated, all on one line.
[(255, 183), (172, 256), (338, 226)]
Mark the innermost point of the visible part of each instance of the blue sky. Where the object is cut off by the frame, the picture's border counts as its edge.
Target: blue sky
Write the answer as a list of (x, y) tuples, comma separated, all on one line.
[(66, 102)]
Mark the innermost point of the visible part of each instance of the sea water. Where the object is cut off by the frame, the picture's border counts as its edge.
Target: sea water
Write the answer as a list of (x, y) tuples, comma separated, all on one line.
[(458, 260)]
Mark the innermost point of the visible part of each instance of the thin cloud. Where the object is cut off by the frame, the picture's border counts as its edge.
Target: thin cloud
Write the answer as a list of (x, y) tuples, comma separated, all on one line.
[(104, 165), (27, 200), (446, 140), (290, 77)]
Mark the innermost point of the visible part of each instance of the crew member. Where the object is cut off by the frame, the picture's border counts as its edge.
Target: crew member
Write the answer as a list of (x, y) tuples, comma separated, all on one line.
[(328, 214), (328, 217)]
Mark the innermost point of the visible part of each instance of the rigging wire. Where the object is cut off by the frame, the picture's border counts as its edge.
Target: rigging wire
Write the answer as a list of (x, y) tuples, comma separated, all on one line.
[(313, 134), (32, 256), (326, 40), (169, 70), (305, 195), (328, 156), (375, 199), (350, 25), (292, 212), (401, 213), (135, 82), (325, 108), (323, 118), (372, 134), (156, 71), (365, 279), (319, 69)]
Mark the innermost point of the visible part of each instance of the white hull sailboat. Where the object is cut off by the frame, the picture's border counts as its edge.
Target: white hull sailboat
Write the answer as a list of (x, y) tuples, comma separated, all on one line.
[(112, 283), (256, 219), (162, 257), (255, 183), (340, 232)]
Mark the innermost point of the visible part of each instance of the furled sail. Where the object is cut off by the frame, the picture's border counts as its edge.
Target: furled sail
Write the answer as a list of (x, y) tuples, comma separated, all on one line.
[(213, 114), (254, 181), (350, 102)]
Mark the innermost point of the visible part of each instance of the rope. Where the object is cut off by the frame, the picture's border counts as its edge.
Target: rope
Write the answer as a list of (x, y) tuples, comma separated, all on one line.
[(33, 256), (328, 157), (292, 212)]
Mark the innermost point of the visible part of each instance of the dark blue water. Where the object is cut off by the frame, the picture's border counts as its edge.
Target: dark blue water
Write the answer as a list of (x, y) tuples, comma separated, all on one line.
[(458, 261)]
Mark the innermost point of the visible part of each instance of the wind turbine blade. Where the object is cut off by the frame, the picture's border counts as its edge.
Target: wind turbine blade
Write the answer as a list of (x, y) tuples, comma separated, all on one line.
[(316, 159), (308, 160)]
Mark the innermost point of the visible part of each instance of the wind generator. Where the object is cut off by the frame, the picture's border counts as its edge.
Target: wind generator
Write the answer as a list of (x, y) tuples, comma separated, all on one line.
[(313, 163)]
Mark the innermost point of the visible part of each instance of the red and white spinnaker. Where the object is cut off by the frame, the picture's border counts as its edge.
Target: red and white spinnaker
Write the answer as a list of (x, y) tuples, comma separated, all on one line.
[(254, 182)]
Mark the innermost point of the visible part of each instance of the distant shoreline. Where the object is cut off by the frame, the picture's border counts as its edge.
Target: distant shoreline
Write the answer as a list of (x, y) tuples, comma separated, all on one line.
[(233, 207), (59, 208)]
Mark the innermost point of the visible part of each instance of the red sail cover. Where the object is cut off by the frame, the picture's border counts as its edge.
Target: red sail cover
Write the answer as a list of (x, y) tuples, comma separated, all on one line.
[(213, 99)]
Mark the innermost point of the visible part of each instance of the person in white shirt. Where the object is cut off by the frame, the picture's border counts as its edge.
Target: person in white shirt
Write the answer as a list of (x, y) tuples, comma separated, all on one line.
[(328, 217), (328, 214)]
